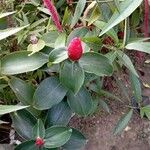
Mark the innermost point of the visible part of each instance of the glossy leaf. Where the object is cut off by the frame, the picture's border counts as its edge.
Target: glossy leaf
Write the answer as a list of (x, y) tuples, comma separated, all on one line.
[(136, 87), (2, 86), (49, 93), (126, 61), (8, 32), (5, 109), (6, 14), (145, 111), (34, 48), (72, 76), (20, 62), (77, 141), (60, 114), (50, 37), (39, 130), (78, 11), (78, 32), (126, 9), (60, 41), (111, 32), (94, 15), (122, 123), (96, 63), (139, 46), (57, 136), (23, 123), (44, 10), (58, 55), (109, 95), (27, 145), (104, 105), (81, 103), (116, 2), (22, 90), (93, 42)]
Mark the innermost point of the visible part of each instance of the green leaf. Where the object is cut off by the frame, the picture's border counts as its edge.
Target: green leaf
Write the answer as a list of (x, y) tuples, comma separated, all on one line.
[(37, 23), (122, 123), (136, 87), (81, 103), (49, 93), (139, 46), (50, 37), (77, 141), (96, 63), (127, 7), (58, 55), (104, 105), (108, 95), (60, 41), (59, 114), (111, 32), (27, 145), (20, 62), (145, 111), (39, 130), (44, 10), (106, 10), (22, 90), (78, 11), (67, 17), (95, 104), (57, 136), (72, 76), (6, 14), (94, 15), (93, 42), (126, 61), (111, 56), (117, 5), (33, 48), (4, 109), (8, 32), (2, 86), (122, 86), (135, 19), (23, 123), (78, 32)]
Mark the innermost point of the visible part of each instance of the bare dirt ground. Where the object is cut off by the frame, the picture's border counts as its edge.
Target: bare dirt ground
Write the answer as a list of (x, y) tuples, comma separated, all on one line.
[(98, 128)]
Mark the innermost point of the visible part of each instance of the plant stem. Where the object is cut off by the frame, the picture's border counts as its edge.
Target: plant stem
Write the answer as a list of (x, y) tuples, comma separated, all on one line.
[(125, 33)]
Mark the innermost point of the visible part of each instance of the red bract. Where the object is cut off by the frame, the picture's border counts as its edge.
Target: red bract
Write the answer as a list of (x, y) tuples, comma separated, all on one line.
[(39, 142), (53, 13), (75, 49)]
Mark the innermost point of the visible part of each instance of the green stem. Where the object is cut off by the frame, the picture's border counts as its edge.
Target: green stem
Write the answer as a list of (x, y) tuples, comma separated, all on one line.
[(125, 33)]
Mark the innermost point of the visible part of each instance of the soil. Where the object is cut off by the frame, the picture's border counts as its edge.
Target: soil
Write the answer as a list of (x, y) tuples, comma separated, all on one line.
[(98, 128)]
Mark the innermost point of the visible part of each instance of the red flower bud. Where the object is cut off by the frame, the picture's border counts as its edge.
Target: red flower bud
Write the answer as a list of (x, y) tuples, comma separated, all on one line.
[(39, 141), (75, 49)]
